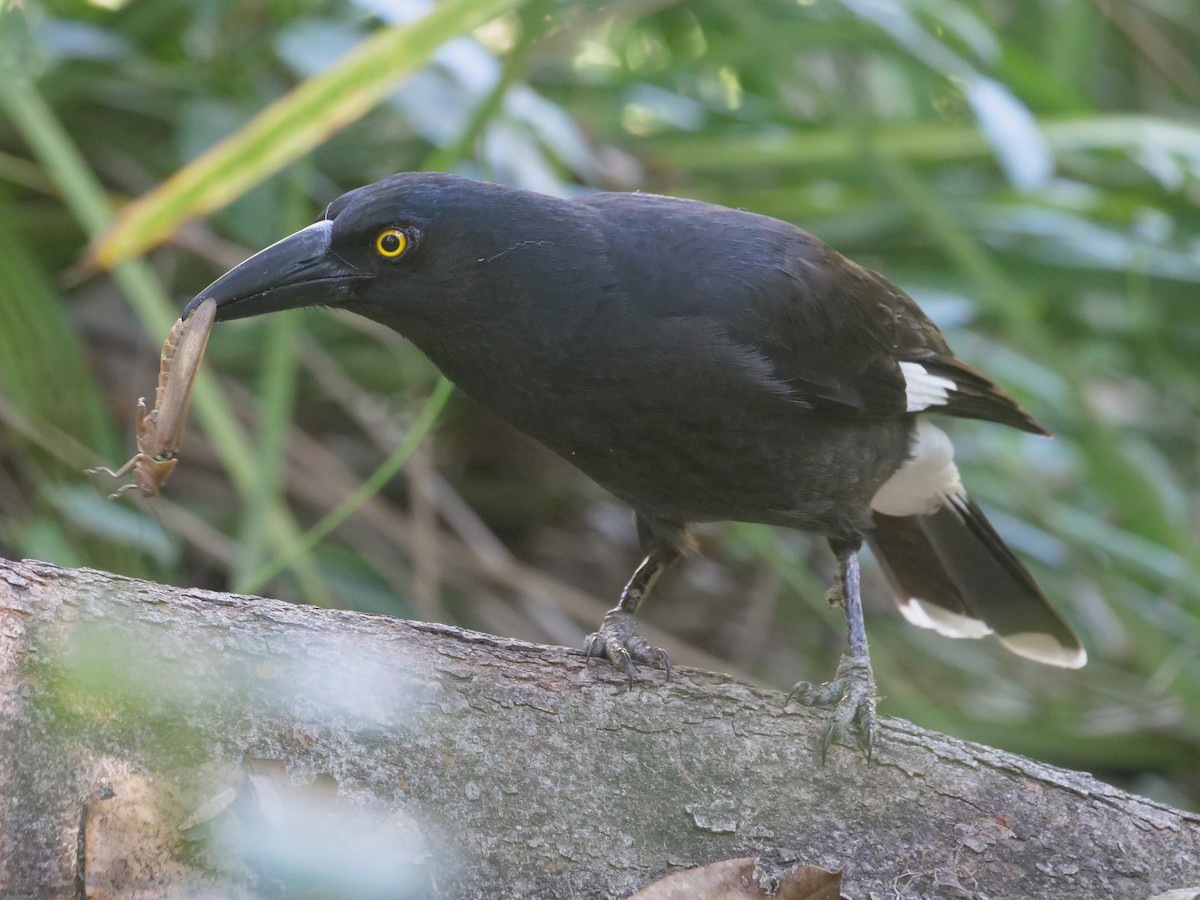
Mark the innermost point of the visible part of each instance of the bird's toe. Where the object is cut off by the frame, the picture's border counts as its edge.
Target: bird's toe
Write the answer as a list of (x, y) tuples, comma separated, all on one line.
[(619, 643), (809, 694), (852, 695)]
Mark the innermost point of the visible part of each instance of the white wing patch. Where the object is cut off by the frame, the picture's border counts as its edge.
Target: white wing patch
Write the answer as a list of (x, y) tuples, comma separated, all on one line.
[(918, 486), (922, 389), (943, 621)]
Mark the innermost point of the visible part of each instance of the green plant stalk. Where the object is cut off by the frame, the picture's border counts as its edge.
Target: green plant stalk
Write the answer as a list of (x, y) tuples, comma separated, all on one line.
[(533, 23), (277, 404), (277, 395), (1006, 299), (41, 363), (917, 143), (1070, 43), (424, 422), (83, 194), (24, 173)]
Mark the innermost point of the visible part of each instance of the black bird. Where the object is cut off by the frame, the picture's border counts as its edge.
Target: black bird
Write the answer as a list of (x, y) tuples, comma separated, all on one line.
[(702, 364)]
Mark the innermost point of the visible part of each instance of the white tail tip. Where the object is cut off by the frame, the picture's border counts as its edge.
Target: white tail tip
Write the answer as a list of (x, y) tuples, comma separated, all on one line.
[(1045, 649)]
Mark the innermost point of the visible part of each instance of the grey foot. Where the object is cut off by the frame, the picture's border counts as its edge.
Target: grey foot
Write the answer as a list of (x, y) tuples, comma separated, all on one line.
[(852, 695), (619, 643)]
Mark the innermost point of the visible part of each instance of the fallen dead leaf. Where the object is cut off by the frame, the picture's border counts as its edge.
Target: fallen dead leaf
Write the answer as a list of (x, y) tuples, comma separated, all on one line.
[(131, 844), (742, 879)]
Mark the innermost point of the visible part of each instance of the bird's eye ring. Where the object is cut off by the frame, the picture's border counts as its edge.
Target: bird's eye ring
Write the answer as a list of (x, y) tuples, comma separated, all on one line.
[(391, 243)]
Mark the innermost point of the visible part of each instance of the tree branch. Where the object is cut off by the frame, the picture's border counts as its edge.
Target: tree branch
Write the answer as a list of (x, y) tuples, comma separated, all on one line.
[(154, 739)]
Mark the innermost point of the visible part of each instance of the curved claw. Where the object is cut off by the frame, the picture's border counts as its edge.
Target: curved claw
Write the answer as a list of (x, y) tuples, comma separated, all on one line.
[(663, 662), (810, 694), (855, 713), (619, 643), (852, 695), (829, 733), (621, 659)]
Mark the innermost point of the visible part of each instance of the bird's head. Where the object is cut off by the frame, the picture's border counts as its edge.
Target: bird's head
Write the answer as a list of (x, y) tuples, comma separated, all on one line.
[(414, 251)]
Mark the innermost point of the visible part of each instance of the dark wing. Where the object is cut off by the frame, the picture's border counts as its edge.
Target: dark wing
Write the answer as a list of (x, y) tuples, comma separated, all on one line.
[(852, 340), (840, 337), (935, 379)]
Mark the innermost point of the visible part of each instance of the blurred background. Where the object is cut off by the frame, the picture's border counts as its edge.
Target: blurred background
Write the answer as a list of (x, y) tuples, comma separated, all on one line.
[(1029, 170)]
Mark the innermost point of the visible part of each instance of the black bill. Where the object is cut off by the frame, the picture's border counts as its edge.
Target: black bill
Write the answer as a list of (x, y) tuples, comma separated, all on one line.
[(300, 270)]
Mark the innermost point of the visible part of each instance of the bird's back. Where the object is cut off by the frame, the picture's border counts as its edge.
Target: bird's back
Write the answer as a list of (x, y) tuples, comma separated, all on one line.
[(839, 334)]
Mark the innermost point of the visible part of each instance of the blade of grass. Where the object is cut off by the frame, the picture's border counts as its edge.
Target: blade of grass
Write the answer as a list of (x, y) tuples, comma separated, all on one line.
[(41, 361), (1005, 298), (915, 142), (424, 422), (534, 19), (291, 126), (277, 393), (1070, 42), (24, 173)]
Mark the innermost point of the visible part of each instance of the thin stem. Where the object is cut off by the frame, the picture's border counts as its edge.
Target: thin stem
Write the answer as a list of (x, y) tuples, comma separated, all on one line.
[(424, 423)]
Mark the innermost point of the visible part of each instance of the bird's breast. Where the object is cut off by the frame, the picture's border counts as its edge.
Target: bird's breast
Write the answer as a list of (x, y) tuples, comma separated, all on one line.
[(679, 445)]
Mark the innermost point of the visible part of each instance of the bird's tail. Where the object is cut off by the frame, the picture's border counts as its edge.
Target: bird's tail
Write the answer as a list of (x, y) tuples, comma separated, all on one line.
[(951, 572)]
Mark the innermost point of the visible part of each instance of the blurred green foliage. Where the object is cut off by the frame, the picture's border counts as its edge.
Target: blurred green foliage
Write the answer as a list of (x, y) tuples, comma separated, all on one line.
[(1028, 170)]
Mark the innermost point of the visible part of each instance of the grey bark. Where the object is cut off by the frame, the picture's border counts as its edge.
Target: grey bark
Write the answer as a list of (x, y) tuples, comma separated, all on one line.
[(164, 742)]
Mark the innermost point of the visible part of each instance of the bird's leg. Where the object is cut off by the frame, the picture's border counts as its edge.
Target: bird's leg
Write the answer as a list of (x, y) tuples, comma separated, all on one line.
[(618, 640), (852, 690)]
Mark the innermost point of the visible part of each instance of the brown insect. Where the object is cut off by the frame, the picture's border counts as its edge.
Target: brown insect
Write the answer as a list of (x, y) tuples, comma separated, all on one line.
[(160, 431)]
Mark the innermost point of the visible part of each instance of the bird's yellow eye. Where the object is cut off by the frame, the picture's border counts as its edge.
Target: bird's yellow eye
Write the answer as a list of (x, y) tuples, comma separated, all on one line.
[(391, 242)]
